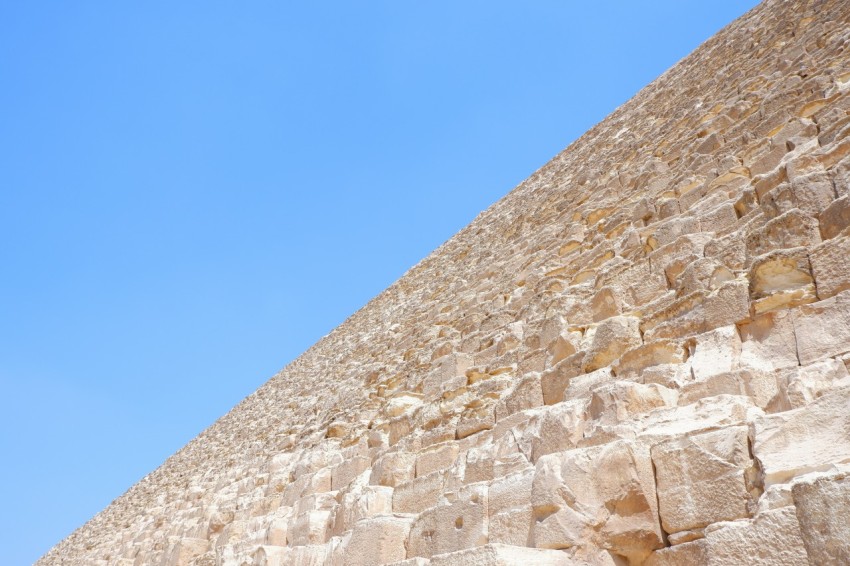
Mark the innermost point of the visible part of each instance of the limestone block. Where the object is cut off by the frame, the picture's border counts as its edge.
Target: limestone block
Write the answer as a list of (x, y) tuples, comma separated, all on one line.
[(772, 538), (793, 229), (701, 479), (807, 383), (493, 460), (451, 526), (361, 502), (822, 508), (613, 337), (581, 386), (271, 556), (762, 387), (185, 551), (418, 561), (437, 457), (688, 554), (603, 496), (554, 381), (768, 342), (306, 555), (810, 186), (673, 258), (502, 555), (703, 274), (835, 218), (450, 375), (624, 400), (526, 393), (809, 439), (655, 353), (781, 279), (831, 266), (318, 482), (393, 468), (378, 540), (310, 527), (478, 414), (716, 351), (810, 322), (554, 428), (345, 472), (703, 415), (729, 251), (509, 508), (418, 494)]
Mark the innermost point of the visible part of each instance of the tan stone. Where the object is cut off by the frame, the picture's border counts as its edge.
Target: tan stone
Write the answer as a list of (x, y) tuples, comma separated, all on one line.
[(822, 507), (378, 540), (812, 438), (813, 343), (451, 526), (831, 266), (611, 339), (615, 507), (502, 555), (702, 479)]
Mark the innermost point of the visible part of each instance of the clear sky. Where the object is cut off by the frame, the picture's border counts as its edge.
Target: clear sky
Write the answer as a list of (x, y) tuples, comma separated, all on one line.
[(193, 193)]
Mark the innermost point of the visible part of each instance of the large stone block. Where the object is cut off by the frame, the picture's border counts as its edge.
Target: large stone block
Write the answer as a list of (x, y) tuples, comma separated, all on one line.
[(502, 555), (772, 538), (509, 508), (378, 540), (831, 266), (602, 496), (702, 479), (612, 338), (822, 329), (823, 508), (451, 526), (812, 438)]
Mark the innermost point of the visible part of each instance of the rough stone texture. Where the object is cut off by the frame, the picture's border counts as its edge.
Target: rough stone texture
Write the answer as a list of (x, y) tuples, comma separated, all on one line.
[(638, 356)]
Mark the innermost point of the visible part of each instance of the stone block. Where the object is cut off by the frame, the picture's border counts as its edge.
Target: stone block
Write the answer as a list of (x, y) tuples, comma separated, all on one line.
[(451, 526), (502, 555), (809, 439), (702, 479), (419, 494), (714, 352), (361, 502), (435, 458), (822, 508), (612, 338), (768, 342), (807, 383), (835, 219), (509, 509), (793, 229), (602, 495), (772, 538), (393, 468), (831, 266), (822, 329), (781, 279), (378, 540)]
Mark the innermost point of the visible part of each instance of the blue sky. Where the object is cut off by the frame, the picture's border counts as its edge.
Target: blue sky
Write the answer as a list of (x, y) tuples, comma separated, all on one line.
[(193, 193)]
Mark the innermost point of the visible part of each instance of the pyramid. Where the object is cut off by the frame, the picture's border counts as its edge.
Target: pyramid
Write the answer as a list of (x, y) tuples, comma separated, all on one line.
[(638, 356)]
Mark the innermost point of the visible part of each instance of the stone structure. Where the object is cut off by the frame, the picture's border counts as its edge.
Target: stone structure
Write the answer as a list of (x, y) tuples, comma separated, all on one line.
[(639, 356)]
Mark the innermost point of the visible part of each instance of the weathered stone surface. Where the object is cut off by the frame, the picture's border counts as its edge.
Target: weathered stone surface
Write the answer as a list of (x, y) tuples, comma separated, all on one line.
[(702, 479), (502, 555), (822, 507), (378, 540), (614, 508), (653, 329), (812, 438)]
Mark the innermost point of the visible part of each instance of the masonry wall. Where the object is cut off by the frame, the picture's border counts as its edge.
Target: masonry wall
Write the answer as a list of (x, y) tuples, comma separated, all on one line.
[(639, 356)]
